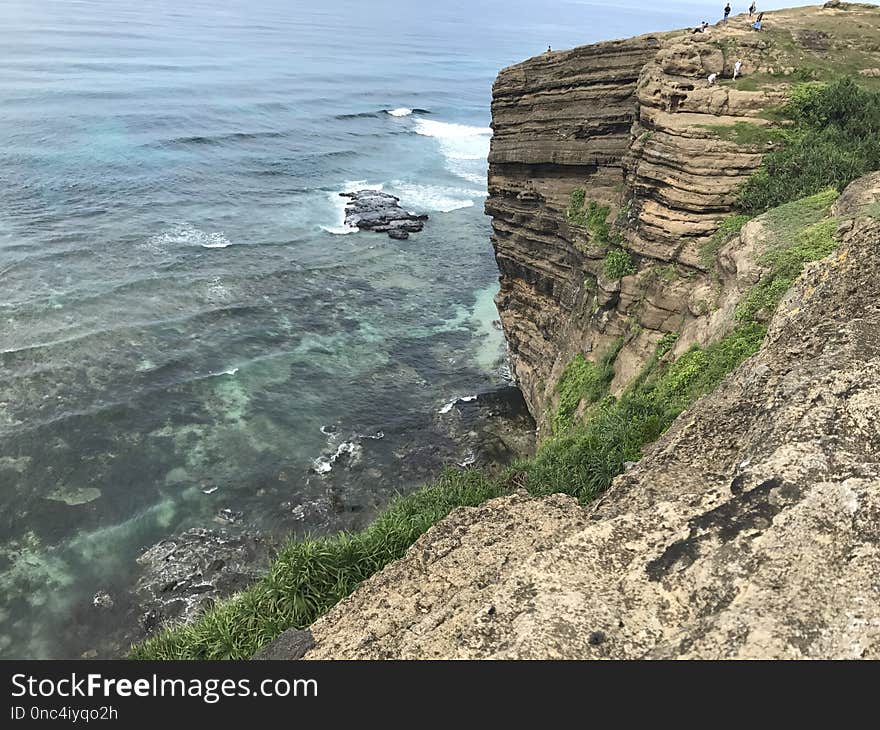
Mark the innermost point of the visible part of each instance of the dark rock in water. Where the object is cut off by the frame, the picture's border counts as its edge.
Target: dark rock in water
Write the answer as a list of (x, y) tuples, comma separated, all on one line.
[(184, 576), (493, 426), (292, 644), (102, 599), (373, 210)]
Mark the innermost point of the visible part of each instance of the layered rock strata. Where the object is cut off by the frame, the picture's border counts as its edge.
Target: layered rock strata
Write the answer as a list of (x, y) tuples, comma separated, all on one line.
[(637, 127)]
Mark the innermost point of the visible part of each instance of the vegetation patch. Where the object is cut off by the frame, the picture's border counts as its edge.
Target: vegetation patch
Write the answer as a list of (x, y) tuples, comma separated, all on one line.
[(729, 227), (583, 380), (667, 342), (834, 139), (743, 133), (618, 263), (793, 247), (592, 216)]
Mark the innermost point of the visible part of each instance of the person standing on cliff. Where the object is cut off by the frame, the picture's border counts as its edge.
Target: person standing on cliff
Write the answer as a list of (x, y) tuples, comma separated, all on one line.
[(737, 69), (752, 9), (726, 11)]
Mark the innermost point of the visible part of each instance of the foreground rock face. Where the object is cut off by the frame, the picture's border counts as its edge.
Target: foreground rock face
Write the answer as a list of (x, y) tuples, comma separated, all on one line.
[(373, 210), (636, 126), (750, 530)]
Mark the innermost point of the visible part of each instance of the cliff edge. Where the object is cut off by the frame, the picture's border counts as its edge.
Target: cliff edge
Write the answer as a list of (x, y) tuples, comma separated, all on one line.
[(751, 529)]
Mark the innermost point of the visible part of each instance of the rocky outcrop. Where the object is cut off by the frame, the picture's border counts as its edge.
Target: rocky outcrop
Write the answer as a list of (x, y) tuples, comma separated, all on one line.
[(183, 576), (373, 210), (751, 529), (636, 126)]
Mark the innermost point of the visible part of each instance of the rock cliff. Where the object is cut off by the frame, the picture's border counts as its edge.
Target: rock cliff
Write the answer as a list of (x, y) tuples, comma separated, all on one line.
[(655, 154), (751, 529)]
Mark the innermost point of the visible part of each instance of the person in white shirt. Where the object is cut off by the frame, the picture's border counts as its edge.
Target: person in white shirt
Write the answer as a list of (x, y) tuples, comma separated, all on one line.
[(737, 68), (712, 77)]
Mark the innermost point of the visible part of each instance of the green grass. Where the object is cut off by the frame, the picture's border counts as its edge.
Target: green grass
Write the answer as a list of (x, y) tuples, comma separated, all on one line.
[(729, 227), (743, 133), (582, 380), (795, 244), (590, 215), (746, 83)]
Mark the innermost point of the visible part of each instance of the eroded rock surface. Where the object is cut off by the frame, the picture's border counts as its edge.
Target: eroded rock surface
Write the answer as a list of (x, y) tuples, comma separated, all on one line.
[(751, 529)]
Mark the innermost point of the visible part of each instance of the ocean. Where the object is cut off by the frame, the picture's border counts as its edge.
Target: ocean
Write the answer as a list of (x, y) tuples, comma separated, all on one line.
[(187, 326)]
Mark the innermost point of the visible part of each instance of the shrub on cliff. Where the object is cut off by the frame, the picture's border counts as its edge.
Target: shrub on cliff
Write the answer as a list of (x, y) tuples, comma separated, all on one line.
[(835, 139), (591, 215), (618, 263)]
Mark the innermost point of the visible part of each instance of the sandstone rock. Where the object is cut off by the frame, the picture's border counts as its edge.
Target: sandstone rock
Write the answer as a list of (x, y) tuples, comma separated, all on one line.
[(636, 126)]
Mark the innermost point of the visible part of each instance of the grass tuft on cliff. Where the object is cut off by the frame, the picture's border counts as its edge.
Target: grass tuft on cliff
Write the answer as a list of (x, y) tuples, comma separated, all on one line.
[(590, 215)]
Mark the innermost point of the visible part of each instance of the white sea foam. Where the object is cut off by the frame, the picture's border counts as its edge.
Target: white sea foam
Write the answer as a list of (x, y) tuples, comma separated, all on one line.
[(222, 373), (185, 234), (438, 198), (324, 464), (399, 112), (465, 147), (451, 404), (339, 228)]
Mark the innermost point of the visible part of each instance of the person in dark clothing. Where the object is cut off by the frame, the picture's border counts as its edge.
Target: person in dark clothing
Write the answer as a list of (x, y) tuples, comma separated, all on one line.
[(752, 9), (726, 11)]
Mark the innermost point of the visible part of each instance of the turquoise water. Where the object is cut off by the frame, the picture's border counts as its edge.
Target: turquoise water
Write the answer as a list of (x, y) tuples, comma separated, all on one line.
[(185, 324)]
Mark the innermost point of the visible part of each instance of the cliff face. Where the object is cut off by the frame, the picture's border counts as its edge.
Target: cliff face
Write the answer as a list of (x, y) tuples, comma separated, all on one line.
[(749, 530), (636, 126)]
